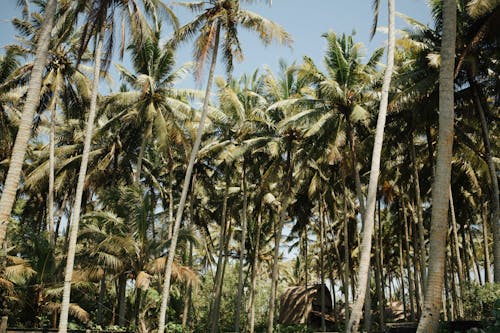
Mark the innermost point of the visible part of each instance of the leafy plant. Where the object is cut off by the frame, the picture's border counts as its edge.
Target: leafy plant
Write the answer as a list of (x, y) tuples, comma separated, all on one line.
[(479, 301), (494, 325)]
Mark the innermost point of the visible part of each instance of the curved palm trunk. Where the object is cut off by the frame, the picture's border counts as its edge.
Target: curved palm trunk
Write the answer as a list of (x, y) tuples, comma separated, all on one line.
[(277, 239), (440, 191), (185, 188), (75, 216), (242, 249), (24, 131), (368, 224)]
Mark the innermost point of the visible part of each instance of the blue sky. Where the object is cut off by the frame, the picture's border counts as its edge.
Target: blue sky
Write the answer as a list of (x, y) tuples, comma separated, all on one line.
[(305, 20)]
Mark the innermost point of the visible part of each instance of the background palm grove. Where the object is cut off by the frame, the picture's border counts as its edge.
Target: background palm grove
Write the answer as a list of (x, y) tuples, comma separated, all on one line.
[(371, 184)]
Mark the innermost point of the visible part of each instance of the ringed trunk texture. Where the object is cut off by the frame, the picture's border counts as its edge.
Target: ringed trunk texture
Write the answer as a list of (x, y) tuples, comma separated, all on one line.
[(429, 322), (369, 216), (24, 131), (185, 188), (75, 216)]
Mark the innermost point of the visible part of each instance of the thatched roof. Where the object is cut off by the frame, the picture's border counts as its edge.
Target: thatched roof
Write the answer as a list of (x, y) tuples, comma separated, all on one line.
[(299, 304)]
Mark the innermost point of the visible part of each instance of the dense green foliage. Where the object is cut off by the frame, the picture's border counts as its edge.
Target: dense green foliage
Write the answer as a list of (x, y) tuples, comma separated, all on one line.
[(291, 146)]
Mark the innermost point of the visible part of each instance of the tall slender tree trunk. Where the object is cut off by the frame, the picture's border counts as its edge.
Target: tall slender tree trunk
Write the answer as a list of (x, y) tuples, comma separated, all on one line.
[(185, 188), (171, 221), (465, 255), (239, 298), (321, 263), (59, 214), (217, 288), (142, 148), (495, 193), (253, 284), (419, 209), (100, 302), (447, 302), (347, 254), (52, 144), (26, 121), (189, 249), (122, 288), (487, 262), (458, 259), (402, 275), (416, 267), (75, 216), (368, 304), (277, 237), (472, 253), (379, 272), (440, 191), (368, 224), (354, 166), (411, 281)]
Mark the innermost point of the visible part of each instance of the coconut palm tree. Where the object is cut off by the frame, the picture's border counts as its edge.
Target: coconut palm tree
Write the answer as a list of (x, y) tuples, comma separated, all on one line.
[(24, 131), (216, 15), (440, 190), (369, 216), (154, 105), (99, 20)]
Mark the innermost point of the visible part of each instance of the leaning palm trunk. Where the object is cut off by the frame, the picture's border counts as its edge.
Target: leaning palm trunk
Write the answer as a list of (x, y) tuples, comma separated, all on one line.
[(368, 224), (440, 191), (75, 216), (185, 188), (24, 131)]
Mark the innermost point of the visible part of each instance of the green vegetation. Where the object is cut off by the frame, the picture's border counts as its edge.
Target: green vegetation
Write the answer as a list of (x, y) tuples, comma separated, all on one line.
[(133, 209)]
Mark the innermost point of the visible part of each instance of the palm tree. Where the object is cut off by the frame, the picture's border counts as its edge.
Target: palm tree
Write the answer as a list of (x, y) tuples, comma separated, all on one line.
[(440, 191), (368, 219), (154, 107), (99, 20), (24, 131), (217, 15)]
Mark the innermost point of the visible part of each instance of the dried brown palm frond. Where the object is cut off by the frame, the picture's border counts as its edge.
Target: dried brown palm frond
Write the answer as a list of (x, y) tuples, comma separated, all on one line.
[(17, 270), (143, 280), (180, 273), (74, 309)]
